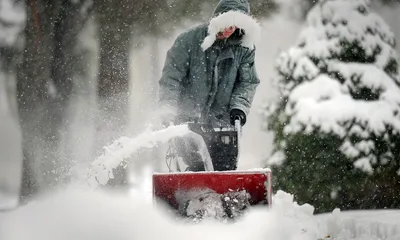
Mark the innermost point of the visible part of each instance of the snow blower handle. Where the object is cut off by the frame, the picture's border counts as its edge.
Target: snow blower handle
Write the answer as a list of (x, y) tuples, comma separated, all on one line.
[(238, 129)]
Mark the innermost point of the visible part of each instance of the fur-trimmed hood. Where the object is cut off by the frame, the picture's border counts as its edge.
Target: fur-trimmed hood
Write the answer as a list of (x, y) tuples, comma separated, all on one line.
[(233, 13)]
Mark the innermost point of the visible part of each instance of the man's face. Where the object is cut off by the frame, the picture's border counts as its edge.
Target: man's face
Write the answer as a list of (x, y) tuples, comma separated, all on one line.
[(226, 33)]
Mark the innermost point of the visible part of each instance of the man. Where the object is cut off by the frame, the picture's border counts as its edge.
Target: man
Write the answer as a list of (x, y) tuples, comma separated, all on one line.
[(209, 74)]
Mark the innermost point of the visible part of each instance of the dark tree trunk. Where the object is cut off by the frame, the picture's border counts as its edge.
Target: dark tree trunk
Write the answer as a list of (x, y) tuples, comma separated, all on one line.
[(116, 20), (32, 88), (45, 81), (64, 41)]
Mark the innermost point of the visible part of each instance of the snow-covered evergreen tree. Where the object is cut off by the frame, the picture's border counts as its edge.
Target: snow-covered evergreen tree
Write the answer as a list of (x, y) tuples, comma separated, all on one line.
[(337, 123)]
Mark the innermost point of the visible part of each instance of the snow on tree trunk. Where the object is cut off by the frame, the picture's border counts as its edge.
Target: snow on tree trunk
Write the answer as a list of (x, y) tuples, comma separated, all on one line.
[(12, 22), (337, 125)]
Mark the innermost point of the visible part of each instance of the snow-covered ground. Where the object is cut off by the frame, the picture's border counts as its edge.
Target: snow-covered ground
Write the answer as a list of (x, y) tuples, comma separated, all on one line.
[(362, 224), (82, 213)]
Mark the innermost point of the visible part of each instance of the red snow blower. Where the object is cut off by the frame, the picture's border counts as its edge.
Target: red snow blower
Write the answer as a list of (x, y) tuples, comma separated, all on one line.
[(210, 187)]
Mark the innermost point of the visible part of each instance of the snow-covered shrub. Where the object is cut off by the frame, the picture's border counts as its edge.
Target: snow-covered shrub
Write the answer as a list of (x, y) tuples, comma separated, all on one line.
[(337, 123)]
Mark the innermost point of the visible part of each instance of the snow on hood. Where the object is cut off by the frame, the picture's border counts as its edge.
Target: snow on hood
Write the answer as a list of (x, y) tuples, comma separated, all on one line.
[(236, 18)]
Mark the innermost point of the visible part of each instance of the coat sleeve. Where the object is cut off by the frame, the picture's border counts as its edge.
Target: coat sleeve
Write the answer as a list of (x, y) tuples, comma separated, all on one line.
[(246, 84), (175, 70)]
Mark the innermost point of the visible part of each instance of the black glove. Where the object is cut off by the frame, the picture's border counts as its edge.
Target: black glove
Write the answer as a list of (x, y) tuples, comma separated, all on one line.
[(238, 114)]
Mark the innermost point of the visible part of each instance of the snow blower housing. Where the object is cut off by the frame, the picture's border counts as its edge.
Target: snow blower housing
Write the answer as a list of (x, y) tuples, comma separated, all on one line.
[(175, 188), (216, 188)]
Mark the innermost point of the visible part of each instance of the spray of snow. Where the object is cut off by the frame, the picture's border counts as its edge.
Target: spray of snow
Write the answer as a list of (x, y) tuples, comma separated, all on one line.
[(200, 204), (119, 152), (101, 169), (204, 204)]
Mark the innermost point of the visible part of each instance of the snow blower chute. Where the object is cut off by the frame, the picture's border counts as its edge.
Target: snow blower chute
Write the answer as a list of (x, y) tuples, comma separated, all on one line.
[(210, 186)]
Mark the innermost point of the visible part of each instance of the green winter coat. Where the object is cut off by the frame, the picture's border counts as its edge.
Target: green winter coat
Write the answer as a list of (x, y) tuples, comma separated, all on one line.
[(205, 85)]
